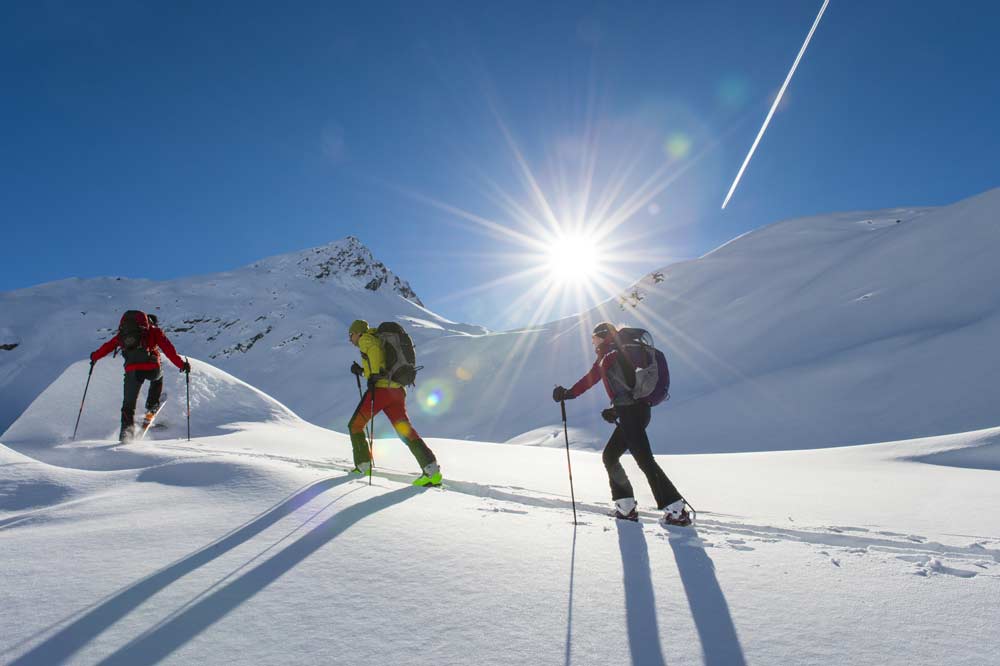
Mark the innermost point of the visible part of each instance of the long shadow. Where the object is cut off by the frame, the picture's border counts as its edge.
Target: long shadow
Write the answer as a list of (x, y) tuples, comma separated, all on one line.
[(68, 640), (569, 611), (640, 602), (152, 647), (719, 641)]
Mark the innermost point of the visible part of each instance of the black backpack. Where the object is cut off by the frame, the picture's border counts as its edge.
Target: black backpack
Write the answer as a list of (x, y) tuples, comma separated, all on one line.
[(400, 363)]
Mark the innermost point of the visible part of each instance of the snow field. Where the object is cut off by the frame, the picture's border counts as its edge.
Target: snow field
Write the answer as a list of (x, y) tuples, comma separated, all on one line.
[(293, 562)]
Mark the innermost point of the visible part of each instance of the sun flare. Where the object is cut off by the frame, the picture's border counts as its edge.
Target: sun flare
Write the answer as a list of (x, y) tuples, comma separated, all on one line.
[(573, 257)]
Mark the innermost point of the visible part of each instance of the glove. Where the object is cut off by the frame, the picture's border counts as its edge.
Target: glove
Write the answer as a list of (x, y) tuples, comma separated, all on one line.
[(357, 369), (559, 394), (609, 415), (92, 359), (186, 367)]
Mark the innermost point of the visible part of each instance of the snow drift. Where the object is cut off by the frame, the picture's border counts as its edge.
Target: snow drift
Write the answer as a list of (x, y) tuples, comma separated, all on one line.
[(220, 403)]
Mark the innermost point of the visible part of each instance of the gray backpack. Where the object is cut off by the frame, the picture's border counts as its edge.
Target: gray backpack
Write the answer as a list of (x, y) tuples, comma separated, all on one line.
[(400, 358)]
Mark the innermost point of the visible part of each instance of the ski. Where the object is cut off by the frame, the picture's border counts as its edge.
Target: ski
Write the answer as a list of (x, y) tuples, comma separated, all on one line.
[(150, 418)]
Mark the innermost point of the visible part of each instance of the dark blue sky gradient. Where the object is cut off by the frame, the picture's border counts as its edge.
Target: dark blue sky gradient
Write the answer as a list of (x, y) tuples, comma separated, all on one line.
[(165, 139)]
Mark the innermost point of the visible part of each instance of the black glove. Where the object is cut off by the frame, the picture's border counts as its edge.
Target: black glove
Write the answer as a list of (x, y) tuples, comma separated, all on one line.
[(357, 369), (92, 359), (559, 394), (186, 367), (609, 415)]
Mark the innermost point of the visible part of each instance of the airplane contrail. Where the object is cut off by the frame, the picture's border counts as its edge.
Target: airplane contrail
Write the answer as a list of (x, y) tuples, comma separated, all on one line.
[(774, 106)]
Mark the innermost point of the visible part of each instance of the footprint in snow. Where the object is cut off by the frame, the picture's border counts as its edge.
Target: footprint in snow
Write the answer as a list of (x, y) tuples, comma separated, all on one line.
[(935, 566), (738, 544)]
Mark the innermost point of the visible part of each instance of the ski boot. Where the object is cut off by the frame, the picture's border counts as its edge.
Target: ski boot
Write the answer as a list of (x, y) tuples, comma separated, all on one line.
[(148, 417), (626, 509), (361, 469), (676, 515), (126, 434), (431, 476)]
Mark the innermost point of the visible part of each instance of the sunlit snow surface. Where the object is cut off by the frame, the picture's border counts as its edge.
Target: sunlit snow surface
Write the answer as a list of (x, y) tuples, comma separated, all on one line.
[(833, 330), (250, 544)]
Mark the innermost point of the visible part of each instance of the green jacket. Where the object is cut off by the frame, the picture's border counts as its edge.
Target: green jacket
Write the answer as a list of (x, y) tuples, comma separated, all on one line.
[(373, 358)]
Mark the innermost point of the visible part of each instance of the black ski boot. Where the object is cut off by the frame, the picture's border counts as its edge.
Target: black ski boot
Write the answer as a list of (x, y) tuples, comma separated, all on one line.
[(126, 435)]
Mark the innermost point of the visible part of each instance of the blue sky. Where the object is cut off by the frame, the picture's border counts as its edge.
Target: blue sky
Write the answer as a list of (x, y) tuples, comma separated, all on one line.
[(165, 139)]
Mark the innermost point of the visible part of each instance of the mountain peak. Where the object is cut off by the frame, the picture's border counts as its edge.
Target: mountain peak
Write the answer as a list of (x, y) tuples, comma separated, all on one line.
[(347, 261)]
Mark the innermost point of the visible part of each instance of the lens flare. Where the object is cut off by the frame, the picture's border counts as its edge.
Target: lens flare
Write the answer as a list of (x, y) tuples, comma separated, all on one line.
[(403, 429), (678, 146), (732, 92), (435, 397)]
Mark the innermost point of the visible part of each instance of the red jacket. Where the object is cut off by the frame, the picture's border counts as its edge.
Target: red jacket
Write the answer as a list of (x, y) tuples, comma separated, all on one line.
[(606, 356), (157, 341)]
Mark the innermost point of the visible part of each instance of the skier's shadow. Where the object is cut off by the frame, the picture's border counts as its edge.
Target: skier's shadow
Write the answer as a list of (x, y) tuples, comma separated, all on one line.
[(158, 643), (67, 641), (640, 602), (719, 642), (569, 605)]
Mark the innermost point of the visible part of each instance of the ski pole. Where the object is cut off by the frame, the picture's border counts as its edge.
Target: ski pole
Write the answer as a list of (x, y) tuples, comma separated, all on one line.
[(572, 494), (187, 383), (82, 401), (371, 438)]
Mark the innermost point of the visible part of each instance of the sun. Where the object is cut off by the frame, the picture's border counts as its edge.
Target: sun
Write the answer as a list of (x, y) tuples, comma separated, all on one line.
[(574, 258)]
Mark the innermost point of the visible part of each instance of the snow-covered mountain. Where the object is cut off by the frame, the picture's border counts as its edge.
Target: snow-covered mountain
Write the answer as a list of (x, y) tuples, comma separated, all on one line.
[(280, 323), (823, 331), (253, 540)]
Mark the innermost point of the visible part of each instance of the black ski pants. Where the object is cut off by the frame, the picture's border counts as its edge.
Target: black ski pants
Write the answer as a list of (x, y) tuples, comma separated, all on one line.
[(630, 435), (133, 382)]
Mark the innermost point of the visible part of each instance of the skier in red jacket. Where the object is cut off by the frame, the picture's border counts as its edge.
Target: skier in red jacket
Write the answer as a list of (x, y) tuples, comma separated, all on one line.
[(631, 417), (140, 341)]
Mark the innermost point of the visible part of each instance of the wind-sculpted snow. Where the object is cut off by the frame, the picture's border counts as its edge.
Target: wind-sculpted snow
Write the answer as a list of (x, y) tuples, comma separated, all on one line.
[(219, 404)]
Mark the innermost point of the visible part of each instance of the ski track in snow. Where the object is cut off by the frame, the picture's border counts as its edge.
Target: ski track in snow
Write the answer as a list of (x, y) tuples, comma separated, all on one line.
[(925, 556)]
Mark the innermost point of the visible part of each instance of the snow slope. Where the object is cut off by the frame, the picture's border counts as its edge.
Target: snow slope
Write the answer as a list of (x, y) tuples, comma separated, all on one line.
[(824, 331), (255, 547), (220, 403)]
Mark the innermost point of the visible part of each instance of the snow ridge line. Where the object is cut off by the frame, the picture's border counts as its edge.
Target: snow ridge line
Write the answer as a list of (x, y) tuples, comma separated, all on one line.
[(833, 537)]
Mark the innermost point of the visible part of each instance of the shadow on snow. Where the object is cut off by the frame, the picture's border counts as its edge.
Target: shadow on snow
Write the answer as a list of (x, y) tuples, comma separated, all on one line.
[(160, 642)]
